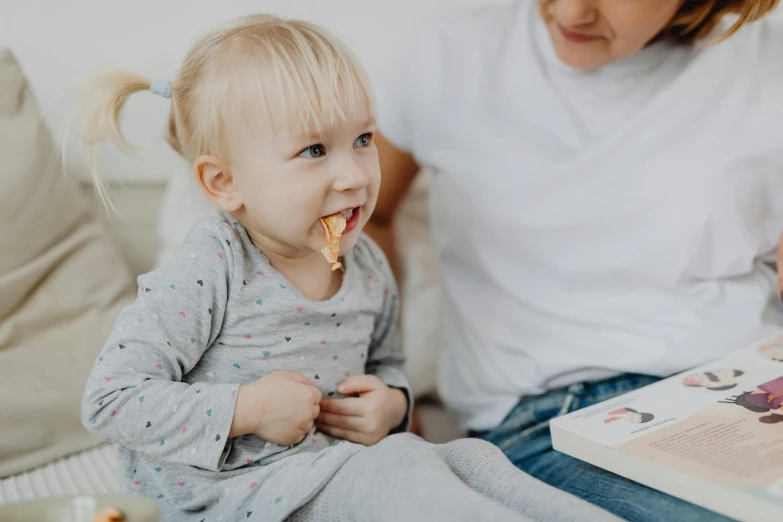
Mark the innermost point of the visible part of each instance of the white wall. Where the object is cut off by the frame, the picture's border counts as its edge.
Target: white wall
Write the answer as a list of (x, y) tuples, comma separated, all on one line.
[(60, 41)]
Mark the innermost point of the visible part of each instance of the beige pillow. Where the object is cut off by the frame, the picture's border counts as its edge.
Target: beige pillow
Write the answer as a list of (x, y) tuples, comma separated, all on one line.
[(62, 283)]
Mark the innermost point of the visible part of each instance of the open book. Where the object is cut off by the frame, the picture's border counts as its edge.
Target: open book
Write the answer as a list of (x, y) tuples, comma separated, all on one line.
[(712, 436)]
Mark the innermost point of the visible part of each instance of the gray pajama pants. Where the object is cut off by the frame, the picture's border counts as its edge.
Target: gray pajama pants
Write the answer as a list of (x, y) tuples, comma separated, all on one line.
[(468, 480)]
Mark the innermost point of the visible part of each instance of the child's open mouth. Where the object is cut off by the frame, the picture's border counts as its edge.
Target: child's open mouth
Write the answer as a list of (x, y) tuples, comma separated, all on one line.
[(335, 226), (351, 217)]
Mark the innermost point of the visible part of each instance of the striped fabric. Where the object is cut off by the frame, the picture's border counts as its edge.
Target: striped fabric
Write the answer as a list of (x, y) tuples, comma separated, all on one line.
[(90, 472)]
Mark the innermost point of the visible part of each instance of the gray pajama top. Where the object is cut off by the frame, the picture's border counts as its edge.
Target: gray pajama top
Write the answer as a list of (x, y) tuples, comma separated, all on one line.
[(218, 316)]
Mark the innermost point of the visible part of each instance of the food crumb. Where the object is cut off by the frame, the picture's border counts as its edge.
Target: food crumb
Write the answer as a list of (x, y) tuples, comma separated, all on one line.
[(109, 514)]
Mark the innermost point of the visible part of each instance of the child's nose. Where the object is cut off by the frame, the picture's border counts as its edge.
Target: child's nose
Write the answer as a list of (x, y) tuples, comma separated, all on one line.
[(351, 176)]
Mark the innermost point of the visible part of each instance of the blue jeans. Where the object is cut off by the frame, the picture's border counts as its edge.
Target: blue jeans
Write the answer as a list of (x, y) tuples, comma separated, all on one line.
[(525, 439)]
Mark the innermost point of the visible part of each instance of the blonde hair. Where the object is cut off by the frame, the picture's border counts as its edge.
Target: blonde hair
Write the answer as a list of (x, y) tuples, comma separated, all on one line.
[(698, 19), (318, 81)]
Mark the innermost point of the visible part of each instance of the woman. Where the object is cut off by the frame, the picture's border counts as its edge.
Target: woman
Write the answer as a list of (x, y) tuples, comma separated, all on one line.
[(606, 193)]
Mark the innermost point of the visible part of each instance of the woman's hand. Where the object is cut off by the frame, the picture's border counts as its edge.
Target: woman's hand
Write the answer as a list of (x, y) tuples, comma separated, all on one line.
[(366, 419)]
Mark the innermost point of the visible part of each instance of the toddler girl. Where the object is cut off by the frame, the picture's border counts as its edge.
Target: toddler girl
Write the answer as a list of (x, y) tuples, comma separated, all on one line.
[(249, 380)]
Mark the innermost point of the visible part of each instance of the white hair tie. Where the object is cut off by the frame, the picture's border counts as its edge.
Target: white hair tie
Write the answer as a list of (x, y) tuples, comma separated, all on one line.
[(161, 88)]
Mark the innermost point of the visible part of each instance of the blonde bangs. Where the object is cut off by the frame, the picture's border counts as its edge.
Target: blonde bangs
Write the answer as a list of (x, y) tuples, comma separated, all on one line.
[(297, 81)]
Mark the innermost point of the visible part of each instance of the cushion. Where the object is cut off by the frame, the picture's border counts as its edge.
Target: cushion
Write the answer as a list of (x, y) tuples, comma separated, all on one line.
[(62, 283)]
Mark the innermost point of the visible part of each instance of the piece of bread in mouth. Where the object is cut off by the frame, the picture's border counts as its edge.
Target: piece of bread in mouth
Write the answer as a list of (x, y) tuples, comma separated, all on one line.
[(333, 226)]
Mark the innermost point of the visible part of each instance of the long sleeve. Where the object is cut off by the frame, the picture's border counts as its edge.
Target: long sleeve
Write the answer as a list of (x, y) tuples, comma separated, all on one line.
[(385, 358), (135, 395)]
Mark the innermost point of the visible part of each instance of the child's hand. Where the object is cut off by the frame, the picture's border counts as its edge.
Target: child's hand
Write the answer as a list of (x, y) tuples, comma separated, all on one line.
[(366, 419), (280, 407)]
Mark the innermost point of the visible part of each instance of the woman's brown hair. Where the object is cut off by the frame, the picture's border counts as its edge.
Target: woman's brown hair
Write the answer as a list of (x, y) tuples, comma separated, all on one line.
[(697, 19)]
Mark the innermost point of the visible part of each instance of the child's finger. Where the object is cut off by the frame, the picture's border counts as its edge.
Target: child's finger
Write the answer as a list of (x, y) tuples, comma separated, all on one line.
[(349, 406), (359, 384), (343, 434), (317, 395), (298, 377), (340, 421)]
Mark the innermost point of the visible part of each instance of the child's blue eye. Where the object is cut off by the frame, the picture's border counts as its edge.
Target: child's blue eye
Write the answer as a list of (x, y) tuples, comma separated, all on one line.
[(313, 151), (363, 140)]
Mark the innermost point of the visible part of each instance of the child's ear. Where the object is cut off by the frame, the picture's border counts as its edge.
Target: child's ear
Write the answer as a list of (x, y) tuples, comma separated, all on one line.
[(217, 183)]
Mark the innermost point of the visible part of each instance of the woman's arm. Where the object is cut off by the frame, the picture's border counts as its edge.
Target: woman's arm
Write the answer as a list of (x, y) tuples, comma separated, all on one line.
[(398, 170)]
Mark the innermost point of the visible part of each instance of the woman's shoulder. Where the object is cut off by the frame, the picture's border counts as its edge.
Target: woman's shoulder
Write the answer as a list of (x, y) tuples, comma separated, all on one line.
[(467, 28), (747, 68), (768, 43), (438, 61), (756, 48), (439, 54)]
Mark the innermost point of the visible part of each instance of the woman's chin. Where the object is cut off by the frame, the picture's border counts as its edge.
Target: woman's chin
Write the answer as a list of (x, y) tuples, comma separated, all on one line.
[(584, 57)]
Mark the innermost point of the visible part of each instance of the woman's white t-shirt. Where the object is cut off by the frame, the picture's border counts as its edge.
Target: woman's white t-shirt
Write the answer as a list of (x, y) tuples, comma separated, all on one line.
[(589, 224)]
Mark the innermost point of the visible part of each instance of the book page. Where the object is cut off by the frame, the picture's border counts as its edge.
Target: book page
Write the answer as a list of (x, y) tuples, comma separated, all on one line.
[(721, 422), (726, 443), (673, 400)]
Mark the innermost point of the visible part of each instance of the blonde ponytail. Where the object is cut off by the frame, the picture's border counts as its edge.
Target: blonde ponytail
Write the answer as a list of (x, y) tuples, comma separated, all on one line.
[(102, 99), (258, 68)]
